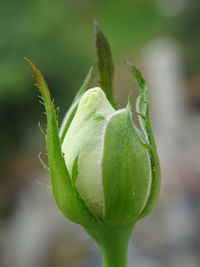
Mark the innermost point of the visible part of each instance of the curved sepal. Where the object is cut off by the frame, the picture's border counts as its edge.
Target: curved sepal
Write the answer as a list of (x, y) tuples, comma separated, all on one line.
[(145, 122), (72, 110), (64, 191), (125, 166), (105, 64)]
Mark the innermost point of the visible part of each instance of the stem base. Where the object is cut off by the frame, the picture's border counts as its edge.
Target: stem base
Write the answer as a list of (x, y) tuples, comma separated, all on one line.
[(113, 243)]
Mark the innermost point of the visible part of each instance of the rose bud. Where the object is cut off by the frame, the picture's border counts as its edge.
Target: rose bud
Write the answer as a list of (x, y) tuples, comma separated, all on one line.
[(104, 170)]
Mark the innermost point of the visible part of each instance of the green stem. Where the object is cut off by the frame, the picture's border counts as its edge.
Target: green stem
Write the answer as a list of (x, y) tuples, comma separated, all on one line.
[(113, 243)]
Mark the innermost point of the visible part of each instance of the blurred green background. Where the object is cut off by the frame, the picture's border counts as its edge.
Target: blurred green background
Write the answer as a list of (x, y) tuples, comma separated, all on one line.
[(58, 36)]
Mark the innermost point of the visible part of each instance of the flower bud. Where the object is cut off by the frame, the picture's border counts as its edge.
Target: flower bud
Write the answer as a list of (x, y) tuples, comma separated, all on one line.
[(113, 167), (103, 168), (105, 172)]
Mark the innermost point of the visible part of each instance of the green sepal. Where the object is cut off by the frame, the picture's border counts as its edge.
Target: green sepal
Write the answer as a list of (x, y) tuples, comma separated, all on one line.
[(125, 167), (65, 193), (143, 112), (72, 110), (105, 64)]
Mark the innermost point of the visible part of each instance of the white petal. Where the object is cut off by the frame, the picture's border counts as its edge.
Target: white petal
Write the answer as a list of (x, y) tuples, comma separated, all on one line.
[(84, 138)]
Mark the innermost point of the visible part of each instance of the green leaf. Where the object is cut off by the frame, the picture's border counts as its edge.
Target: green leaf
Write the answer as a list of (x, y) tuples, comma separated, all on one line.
[(72, 110), (65, 193), (126, 170), (105, 64), (145, 122)]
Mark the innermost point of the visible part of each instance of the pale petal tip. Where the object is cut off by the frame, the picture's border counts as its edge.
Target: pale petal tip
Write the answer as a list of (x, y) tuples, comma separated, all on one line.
[(92, 98)]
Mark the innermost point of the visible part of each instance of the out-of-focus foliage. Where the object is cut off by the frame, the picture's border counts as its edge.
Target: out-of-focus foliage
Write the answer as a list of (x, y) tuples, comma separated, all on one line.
[(186, 28), (56, 33)]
